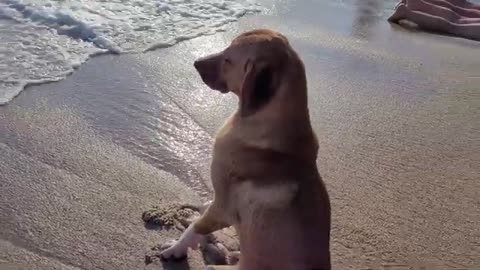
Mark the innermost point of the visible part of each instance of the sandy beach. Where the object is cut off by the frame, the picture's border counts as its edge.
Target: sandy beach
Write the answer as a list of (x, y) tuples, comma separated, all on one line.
[(396, 111)]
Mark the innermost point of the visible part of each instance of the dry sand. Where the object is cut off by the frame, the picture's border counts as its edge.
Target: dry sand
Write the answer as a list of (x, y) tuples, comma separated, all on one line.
[(397, 114)]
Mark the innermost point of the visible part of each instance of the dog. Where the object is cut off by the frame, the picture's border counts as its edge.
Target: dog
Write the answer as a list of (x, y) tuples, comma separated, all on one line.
[(264, 170)]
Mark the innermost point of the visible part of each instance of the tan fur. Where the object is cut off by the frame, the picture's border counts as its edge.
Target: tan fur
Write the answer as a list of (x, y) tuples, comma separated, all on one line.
[(264, 169)]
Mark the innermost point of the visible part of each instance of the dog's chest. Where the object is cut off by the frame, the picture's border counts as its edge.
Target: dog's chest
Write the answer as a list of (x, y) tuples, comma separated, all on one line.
[(223, 160), (225, 143)]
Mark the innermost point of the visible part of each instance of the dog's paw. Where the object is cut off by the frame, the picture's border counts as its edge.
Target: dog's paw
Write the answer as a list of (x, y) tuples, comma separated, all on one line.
[(174, 250), (179, 249)]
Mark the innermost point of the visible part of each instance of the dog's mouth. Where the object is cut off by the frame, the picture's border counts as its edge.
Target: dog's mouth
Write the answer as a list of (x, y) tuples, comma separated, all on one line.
[(211, 80), (223, 90)]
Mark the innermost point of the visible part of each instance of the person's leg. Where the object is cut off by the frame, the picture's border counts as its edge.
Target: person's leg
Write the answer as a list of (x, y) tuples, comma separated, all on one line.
[(425, 7), (469, 21), (464, 4), (464, 12), (470, 31), (422, 19), (435, 23)]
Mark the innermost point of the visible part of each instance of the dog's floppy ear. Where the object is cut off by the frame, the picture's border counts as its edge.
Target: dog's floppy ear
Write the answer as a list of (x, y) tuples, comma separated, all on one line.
[(257, 87)]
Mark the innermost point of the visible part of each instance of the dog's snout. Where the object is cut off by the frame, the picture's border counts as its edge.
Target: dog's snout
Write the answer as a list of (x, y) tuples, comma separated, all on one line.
[(209, 69), (207, 62)]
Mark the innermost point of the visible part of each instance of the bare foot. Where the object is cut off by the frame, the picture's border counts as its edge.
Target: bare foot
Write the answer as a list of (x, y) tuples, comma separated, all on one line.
[(400, 13)]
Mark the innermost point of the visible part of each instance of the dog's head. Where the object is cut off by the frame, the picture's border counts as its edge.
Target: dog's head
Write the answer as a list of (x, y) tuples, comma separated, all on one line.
[(252, 67)]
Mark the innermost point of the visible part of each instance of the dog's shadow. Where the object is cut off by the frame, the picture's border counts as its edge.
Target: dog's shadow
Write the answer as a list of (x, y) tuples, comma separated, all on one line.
[(153, 260), (155, 227), (181, 264), (210, 255), (175, 264)]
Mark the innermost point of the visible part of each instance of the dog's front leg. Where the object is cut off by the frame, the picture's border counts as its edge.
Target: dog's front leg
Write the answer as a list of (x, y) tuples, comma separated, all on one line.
[(211, 220)]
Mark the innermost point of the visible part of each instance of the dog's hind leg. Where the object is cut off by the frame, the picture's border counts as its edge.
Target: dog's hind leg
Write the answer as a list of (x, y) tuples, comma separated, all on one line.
[(233, 257)]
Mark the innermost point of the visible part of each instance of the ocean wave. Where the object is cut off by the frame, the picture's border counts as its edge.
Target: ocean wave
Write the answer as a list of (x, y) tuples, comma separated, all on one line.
[(42, 41)]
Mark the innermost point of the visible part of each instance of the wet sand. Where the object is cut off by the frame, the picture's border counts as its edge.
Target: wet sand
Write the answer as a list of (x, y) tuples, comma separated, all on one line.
[(396, 112)]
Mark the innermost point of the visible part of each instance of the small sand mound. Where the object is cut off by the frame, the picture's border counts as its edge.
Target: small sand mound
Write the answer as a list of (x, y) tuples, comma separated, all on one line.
[(172, 215)]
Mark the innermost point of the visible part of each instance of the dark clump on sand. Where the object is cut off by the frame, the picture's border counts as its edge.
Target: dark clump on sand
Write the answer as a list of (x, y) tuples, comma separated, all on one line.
[(172, 215)]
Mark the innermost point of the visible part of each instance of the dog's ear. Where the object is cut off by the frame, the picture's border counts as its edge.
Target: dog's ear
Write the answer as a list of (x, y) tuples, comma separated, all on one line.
[(257, 87)]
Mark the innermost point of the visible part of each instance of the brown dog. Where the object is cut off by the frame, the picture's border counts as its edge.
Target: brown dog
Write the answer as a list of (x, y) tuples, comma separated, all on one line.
[(264, 169)]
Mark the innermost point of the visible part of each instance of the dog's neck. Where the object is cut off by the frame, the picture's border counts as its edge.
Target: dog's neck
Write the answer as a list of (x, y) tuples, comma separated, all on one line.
[(278, 127)]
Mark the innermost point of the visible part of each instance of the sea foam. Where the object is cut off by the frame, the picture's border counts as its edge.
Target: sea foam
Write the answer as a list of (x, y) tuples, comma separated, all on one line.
[(42, 41)]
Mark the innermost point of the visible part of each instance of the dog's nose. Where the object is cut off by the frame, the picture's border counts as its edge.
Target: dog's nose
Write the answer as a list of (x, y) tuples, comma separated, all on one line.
[(197, 64), (202, 63)]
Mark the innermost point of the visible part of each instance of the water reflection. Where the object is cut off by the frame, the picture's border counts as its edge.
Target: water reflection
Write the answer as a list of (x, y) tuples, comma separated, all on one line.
[(367, 14)]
